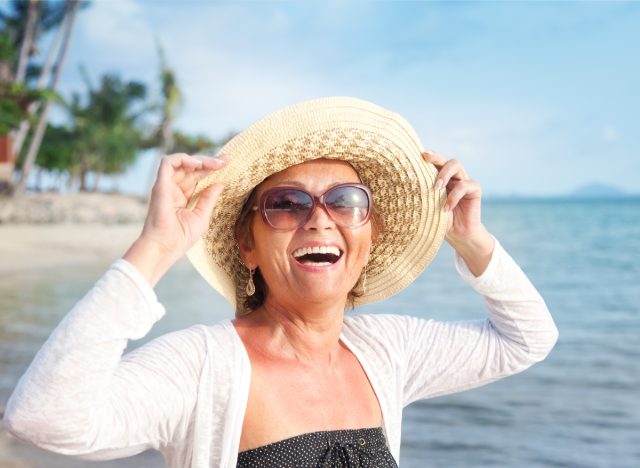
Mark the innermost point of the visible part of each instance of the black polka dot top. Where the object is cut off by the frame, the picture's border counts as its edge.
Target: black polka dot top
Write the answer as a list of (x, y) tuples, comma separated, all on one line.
[(343, 448)]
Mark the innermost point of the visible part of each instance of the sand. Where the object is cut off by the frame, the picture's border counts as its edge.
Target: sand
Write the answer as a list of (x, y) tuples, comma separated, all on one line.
[(49, 230), (25, 247)]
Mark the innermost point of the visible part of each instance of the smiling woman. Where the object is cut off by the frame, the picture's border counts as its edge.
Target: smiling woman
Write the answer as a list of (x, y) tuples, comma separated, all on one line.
[(283, 208), (320, 206)]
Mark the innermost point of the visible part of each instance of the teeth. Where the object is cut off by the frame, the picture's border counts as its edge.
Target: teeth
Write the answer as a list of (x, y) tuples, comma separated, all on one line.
[(317, 249)]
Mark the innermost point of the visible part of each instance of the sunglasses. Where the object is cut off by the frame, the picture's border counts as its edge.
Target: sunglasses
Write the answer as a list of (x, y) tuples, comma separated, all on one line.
[(287, 208)]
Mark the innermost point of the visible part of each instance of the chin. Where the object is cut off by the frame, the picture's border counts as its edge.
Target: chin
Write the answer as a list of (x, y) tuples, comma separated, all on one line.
[(324, 296)]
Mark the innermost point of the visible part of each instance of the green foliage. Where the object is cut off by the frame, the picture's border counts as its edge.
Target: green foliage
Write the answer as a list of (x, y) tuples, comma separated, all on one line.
[(7, 50), (104, 134), (56, 154), (196, 144), (13, 22), (14, 101)]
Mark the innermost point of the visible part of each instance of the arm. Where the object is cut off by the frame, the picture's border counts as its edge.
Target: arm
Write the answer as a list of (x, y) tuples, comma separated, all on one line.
[(448, 357), (80, 395)]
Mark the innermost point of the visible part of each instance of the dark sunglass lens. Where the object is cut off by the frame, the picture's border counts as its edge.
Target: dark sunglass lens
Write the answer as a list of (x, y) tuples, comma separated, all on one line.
[(348, 205), (287, 208)]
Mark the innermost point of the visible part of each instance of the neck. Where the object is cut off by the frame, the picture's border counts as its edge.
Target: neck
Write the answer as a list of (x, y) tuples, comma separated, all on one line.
[(309, 334)]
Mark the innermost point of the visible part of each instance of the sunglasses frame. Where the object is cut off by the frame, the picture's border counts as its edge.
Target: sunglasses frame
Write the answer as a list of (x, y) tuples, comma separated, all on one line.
[(316, 201)]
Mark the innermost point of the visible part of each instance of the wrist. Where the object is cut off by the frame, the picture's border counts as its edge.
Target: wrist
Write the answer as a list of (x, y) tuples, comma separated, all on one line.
[(150, 258), (476, 249)]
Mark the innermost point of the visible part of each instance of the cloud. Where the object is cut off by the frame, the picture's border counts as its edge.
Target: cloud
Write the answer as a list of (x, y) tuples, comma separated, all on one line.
[(610, 134), (117, 32)]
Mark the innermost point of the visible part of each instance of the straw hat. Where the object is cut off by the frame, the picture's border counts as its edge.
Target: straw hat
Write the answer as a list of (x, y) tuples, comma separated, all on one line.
[(382, 148)]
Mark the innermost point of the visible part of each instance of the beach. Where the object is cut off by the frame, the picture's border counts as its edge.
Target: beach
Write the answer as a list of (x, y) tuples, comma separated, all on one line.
[(45, 230), (27, 248)]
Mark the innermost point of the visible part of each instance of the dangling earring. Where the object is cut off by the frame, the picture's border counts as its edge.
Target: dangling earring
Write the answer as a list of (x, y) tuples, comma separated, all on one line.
[(250, 289)]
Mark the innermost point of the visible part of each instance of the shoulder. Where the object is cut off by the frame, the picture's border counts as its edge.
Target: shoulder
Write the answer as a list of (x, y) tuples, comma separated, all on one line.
[(217, 341), (389, 334), (379, 334)]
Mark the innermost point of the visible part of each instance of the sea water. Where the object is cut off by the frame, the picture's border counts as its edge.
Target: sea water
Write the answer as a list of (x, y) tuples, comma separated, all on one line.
[(578, 408)]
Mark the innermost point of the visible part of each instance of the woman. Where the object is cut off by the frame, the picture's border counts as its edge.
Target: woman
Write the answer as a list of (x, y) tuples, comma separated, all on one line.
[(321, 205)]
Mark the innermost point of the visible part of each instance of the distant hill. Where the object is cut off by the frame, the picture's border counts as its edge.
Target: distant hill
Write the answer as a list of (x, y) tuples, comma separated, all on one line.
[(599, 191), (593, 191)]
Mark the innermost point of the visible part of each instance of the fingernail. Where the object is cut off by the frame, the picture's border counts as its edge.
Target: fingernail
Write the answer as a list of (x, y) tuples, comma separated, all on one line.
[(439, 184)]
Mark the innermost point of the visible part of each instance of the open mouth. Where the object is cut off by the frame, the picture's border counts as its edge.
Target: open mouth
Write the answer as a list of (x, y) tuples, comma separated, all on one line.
[(318, 255)]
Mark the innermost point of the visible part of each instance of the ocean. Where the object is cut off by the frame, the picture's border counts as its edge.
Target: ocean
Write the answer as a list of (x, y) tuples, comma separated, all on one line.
[(578, 408)]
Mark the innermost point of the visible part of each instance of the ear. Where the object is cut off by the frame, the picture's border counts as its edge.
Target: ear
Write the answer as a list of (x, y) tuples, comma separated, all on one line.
[(247, 255)]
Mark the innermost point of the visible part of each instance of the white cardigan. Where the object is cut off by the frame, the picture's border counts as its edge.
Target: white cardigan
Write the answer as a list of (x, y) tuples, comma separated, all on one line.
[(185, 393)]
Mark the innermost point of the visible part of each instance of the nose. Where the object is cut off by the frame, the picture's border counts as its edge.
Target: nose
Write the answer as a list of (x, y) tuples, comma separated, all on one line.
[(319, 219)]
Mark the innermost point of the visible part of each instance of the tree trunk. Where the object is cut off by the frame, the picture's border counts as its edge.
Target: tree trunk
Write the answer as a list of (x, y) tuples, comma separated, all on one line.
[(27, 41), (166, 145), (36, 140), (39, 180), (45, 74), (83, 180)]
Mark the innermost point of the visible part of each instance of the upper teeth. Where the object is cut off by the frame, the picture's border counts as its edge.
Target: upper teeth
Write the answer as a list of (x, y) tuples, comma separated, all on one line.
[(317, 249)]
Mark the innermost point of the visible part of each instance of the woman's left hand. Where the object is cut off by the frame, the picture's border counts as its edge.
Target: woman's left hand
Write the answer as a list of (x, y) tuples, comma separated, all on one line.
[(466, 233)]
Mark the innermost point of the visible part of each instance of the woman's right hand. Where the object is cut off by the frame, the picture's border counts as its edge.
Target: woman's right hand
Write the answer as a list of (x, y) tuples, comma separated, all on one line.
[(171, 229)]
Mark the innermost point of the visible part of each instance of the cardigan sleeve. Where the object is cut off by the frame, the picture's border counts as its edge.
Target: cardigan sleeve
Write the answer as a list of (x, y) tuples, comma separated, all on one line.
[(446, 357), (82, 397)]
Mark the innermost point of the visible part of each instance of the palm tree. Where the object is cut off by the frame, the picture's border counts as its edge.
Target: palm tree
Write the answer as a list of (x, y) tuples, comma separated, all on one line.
[(104, 133), (23, 25), (171, 100), (72, 7), (27, 41), (45, 75)]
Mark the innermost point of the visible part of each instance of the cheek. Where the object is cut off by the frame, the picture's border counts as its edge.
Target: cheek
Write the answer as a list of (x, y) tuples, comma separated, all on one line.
[(270, 248), (361, 242)]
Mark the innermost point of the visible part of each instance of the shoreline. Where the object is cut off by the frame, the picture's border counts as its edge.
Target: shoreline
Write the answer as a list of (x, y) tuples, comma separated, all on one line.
[(27, 247), (52, 230)]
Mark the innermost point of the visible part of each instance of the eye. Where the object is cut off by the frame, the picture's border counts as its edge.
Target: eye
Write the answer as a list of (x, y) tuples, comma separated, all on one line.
[(285, 204), (289, 200), (348, 197)]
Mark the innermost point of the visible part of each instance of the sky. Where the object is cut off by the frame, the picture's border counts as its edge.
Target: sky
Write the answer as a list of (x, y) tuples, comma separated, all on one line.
[(535, 98)]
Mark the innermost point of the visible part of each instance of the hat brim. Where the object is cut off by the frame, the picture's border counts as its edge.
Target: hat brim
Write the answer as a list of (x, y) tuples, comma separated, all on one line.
[(383, 149)]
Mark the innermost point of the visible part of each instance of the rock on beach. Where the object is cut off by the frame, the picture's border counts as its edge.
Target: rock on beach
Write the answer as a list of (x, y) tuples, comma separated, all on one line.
[(53, 208)]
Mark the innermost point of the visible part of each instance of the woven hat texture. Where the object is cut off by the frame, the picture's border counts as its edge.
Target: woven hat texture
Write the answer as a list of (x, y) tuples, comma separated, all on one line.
[(384, 150)]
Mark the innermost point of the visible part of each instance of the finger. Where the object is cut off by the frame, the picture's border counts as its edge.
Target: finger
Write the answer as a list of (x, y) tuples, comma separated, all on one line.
[(187, 180), (170, 165), (447, 169), (213, 163), (453, 169), (434, 158), (184, 161), (207, 200), (181, 163), (464, 188)]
